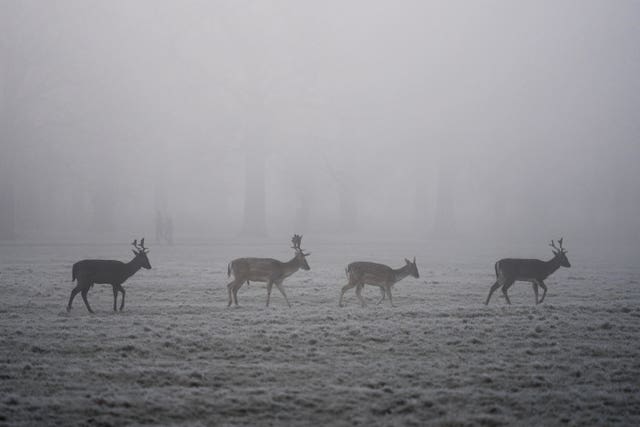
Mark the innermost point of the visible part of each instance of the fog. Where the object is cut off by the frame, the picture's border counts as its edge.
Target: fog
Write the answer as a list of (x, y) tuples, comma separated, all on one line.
[(484, 120)]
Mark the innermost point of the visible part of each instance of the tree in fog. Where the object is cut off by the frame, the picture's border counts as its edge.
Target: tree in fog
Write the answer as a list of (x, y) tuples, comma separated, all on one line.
[(342, 174), (249, 80), (29, 104), (15, 94), (260, 76)]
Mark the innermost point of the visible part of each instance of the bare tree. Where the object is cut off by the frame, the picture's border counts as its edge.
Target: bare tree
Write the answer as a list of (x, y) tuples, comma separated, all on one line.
[(27, 75)]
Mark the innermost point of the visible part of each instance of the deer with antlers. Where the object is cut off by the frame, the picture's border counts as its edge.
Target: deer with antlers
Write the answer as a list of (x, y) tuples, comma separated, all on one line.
[(268, 270), (371, 273), (90, 271), (510, 270)]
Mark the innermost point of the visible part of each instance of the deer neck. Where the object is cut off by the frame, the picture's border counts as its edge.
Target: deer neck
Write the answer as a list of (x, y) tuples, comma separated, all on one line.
[(132, 267), (552, 265), (291, 266), (400, 273)]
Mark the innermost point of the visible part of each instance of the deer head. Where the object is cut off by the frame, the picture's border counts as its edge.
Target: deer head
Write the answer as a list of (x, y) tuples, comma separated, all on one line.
[(296, 240), (413, 268), (141, 253), (560, 253)]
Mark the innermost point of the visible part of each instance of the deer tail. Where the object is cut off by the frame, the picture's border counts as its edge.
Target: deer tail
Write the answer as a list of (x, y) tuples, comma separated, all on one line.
[(229, 270), (74, 272), (496, 268)]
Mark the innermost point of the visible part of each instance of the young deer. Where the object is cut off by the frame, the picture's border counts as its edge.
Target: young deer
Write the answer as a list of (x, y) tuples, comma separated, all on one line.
[(371, 273), (510, 270), (115, 273), (268, 270)]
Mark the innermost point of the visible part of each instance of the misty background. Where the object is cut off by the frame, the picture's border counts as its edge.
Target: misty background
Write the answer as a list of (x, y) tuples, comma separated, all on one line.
[(483, 120)]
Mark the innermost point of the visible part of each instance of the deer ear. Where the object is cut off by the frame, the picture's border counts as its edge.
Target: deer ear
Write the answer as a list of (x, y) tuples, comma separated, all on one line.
[(134, 252), (414, 260), (407, 261)]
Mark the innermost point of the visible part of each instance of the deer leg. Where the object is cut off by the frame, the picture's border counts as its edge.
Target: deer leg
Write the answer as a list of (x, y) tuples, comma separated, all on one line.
[(535, 289), (74, 292), (235, 289), (281, 289), (229, 289), (84, 292), (491, 291), (359, 288), (115, 297), (505, 288), (269, 288), (345, 288), (121, 289), (390, 297), (383, 294), (544, 291)]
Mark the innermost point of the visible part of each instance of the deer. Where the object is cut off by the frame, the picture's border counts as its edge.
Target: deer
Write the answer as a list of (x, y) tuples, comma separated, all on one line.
[(510, 270), (371, 273), (266, 270), (90, 271)]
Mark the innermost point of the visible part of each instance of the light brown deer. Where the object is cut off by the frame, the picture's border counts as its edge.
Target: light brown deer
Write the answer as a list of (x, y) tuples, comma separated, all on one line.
[(371, 273), (90, 271), (510, 270), (268, 270)]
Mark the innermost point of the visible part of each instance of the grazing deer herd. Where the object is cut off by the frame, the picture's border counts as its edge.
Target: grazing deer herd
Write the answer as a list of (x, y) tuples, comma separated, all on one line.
[(273, 272)]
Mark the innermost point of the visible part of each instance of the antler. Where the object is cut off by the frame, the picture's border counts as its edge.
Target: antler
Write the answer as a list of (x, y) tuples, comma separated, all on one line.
[(297, 240), (559, 249), (140, 247), (563, 250)]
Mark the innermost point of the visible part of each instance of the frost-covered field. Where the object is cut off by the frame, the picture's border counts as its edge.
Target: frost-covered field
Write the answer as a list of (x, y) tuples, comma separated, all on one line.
[(177, 355)]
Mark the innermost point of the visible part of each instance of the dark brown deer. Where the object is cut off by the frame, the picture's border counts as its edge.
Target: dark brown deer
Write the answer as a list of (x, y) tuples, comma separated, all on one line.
[(90, 271), (268, 270), (510, 270), (371, 273)]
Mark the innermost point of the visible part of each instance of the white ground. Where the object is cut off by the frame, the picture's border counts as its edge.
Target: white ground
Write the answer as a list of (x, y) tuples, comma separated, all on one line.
[(177, 355)]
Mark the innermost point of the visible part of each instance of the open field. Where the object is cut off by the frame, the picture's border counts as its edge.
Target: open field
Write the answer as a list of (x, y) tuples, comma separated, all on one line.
[(178, 355)]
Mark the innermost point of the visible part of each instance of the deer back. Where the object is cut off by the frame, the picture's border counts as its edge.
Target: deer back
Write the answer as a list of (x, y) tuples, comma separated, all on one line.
[(257, 269), (523, 269), (100, 271), (370, 272)]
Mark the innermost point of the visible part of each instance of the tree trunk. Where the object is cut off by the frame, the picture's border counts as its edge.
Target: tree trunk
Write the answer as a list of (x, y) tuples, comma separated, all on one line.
[(103, 217), (163, 220), (444, 223), (348, 209), (255, 222), (7, 196), (7, 149), (303, 212)]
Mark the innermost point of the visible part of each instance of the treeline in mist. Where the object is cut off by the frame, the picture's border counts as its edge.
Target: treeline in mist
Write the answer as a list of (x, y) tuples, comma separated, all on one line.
[(226, 118)]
